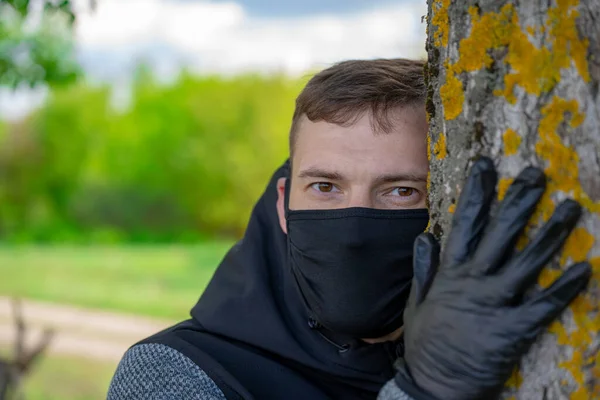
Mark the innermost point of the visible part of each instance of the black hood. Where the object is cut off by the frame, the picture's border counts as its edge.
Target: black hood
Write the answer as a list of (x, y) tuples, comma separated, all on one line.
[(252, 301)]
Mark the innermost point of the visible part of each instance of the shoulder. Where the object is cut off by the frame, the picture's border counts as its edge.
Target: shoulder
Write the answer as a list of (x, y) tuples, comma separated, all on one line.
[(158, 371)]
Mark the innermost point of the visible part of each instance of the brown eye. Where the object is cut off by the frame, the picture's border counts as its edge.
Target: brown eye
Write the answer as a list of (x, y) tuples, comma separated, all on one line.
[(405, 191), (324, 187)]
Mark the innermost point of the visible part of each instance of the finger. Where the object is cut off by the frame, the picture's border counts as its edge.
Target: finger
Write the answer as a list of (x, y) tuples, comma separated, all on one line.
[(546, 305), (523, 270), (513, 214), (472, 213), (426, 259)]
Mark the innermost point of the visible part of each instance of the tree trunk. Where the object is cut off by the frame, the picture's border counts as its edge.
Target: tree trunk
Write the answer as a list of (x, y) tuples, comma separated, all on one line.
[(518, 81)]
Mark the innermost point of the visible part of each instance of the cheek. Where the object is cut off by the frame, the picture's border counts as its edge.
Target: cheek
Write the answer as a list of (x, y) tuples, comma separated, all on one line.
[(417, 199), (310, 199), (297, 198), (423, 202), (305, 201)]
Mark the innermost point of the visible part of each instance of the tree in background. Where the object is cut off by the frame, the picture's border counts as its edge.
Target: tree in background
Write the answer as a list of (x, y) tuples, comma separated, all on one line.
[(183, 162), (14, 371), (35, 45), (519, 82)]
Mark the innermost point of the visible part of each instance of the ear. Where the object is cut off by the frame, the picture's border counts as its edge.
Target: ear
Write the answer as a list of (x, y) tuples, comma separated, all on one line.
[(281, 204)]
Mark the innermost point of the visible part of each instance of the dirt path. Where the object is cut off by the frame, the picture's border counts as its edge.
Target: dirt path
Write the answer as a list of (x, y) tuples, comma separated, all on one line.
[(78, 331)]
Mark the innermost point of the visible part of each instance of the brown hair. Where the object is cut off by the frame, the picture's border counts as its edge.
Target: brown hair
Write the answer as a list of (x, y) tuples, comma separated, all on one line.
[(342, 93)]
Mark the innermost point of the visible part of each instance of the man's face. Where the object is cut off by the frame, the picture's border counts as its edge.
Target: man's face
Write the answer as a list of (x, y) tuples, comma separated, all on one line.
[(339, 167)]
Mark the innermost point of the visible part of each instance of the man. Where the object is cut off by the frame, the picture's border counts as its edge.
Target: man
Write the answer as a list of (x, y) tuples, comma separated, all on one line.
[(310, 303)]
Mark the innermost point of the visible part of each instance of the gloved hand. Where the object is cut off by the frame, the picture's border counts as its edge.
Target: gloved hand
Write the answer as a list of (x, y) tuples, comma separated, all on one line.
[(468, 324)]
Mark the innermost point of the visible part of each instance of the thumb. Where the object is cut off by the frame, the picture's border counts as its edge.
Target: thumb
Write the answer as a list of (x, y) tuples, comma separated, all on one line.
[(426, 259)]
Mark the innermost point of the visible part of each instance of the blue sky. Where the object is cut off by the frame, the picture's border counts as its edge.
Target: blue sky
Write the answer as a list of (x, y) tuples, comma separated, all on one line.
[(287, 8), (234, 36)]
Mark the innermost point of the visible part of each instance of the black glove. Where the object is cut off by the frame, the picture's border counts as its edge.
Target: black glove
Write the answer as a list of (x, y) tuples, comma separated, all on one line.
[(468, 325)]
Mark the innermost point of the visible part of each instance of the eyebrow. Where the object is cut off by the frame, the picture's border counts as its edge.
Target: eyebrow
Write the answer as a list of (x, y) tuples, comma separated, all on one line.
[(314, 172), (410, 177)]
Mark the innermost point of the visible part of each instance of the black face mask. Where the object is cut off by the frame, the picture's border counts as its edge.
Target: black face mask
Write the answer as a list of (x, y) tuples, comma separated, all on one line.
[(353, 266)]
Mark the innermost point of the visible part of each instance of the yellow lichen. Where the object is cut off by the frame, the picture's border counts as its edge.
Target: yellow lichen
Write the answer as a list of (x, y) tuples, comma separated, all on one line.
[(595, 262), (532, 68), (587, 320), (439, 149), (503, 185), (440, 21), (452, 95), (544, 209), (488, 31), (536, 70), (548, 276), (531, 30), (522, 242), (581, 392), (429, 147), (562, 170), (562, 161), (577, 246), (428, 181), (512, 141), (567, 44), (515, 380)]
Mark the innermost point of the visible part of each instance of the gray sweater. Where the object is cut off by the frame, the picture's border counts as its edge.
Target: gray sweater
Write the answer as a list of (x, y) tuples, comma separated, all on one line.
[(158, 372)]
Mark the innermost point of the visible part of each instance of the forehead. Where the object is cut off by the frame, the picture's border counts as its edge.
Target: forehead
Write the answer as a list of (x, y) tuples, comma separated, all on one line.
[(358, 149)]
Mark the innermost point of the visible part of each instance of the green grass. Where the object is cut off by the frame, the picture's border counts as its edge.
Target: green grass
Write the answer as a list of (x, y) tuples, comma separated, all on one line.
[(159, 281), (67, 378)]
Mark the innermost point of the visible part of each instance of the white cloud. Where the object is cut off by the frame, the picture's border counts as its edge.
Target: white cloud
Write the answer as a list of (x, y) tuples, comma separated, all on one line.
[(181, 24), (221, 37)]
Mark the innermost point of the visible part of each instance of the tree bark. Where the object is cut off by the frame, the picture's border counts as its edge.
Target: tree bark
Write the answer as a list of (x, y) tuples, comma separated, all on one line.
[(518, 81)]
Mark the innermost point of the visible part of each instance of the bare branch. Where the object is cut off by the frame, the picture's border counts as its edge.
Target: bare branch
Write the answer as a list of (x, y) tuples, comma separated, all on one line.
[(24, 364), (20, 327)]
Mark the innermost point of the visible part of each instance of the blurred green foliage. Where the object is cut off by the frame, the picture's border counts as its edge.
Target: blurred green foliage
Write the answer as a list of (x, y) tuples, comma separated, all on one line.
[(184, 161), (35, 43)]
